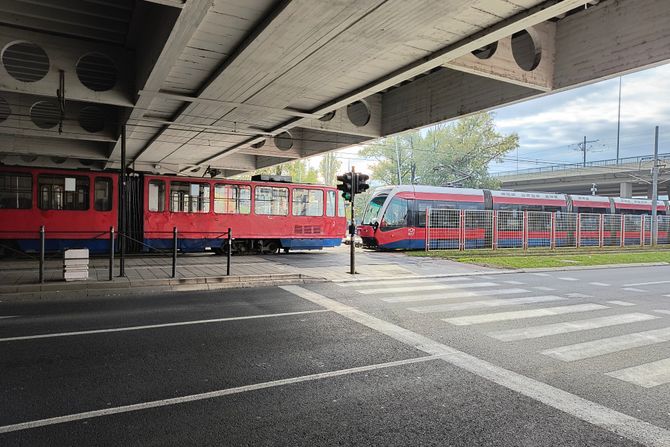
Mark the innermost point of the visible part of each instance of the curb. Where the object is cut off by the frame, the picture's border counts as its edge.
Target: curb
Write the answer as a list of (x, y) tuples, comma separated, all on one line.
[(126, 287)]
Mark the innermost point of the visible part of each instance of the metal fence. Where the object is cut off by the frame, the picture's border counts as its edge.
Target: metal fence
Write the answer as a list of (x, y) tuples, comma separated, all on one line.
[(470, 229)]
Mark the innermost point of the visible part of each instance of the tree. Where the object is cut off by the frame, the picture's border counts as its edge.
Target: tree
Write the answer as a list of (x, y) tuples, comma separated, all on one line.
[(329, 167), (299, 171), (447, 154)]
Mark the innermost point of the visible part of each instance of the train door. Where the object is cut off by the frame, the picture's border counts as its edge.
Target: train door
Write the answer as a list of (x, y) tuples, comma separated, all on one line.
[(394, 225)]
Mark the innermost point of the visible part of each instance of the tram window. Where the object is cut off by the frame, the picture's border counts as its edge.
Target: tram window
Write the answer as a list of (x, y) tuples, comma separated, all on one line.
[(103, 194), (16, 191), (232, 199), (340, 207), (330, 203), (271, 201), (58, 192), (189, 197), (307, 202), (157, 196), (372, 210), (395, 215)]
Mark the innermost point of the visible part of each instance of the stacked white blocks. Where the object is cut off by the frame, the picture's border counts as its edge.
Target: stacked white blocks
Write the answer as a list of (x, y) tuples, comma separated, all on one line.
[(75, 264)]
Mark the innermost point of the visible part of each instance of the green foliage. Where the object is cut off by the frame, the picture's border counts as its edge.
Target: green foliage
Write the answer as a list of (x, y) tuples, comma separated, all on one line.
[(329, 167), (299, 170), (454, 153)]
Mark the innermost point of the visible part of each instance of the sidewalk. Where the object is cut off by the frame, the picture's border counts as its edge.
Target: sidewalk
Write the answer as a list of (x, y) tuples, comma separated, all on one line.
[(151, 274)]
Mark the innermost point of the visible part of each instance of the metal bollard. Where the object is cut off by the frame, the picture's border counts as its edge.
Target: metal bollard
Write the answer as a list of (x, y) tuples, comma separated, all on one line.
[(174, 252), (42, 244), (111, 253), (230, 250)]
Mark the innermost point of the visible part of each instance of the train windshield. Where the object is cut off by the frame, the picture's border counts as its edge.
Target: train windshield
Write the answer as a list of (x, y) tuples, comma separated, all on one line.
[(372, 210)]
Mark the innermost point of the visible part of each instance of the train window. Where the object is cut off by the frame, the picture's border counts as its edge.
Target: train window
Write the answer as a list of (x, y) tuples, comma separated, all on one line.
[(372, 210), (330, 203), (307, 202), (395, 215), (16, 191), (58, 192), (232, 199), (189, 197), (103, 194), (340, 207), (157, 196), (271, 201)]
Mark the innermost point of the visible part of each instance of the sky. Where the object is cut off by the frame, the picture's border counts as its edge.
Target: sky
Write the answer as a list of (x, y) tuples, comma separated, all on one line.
[(551, 127)]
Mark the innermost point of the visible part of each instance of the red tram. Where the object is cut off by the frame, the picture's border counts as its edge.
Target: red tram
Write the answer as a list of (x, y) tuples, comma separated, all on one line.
[(395, 217), (78, 208)]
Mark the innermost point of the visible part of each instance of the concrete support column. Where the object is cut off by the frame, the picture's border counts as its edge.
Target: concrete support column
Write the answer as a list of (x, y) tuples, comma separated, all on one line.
[(626, 190)]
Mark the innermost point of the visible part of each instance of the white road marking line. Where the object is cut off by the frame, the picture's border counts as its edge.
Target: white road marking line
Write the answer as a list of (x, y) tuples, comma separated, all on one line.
[(521, 314), (401, 281), (541, 274), (578, 295), (620, 303), (663, 311), (208, 395), (568, 278), (666, 295), (429, 287), (544, 289), (600, 284), (156, 326), (591, 412), (516, 283), (581, 351), (646, 283), (647, 375), (450, 295), (8, 316), (633, 289), (546, 330), (485, 303)]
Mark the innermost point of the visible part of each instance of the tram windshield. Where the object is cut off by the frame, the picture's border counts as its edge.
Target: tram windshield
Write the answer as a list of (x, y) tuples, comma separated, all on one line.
[(371, 213)]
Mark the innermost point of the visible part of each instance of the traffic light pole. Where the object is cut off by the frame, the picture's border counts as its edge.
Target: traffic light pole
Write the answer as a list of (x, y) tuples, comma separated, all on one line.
[(352, 227)]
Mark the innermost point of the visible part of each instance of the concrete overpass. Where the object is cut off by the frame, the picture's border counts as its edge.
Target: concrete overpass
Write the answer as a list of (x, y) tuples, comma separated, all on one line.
[(630, 177), (236, 85)]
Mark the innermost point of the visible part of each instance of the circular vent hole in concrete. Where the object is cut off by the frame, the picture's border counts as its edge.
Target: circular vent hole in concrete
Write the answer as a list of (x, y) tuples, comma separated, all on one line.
[(328, 116), (97, 72), (92, 119), (5, 111), (284, 141), (486, 52), (45, 114), (25, 61), (358, 113), (526, 53)]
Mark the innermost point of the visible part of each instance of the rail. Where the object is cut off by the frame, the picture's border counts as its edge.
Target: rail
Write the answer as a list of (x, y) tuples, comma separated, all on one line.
[(43, 235), (567, 166)]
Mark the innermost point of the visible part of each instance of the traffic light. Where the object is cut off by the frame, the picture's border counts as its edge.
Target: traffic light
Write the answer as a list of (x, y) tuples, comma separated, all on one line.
[(360, 185), (347, 185)]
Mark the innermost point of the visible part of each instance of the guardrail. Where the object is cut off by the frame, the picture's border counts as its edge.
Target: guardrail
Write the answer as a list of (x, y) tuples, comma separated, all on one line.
[(44, 234), (471, 229), (566, 166)]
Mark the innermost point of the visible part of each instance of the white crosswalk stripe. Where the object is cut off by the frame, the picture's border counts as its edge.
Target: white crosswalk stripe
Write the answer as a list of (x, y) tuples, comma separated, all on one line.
[(523, 314), (403, 281), (647, 375), (620, 303), (603, 346), (427, 287), (450, 295), (544, 289), (485, 303), (569, 326)]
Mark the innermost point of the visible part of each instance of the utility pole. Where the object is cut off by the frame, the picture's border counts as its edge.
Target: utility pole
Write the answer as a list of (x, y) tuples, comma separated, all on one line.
[(618, 124), (583, 147), (397, 153), (654, 193)]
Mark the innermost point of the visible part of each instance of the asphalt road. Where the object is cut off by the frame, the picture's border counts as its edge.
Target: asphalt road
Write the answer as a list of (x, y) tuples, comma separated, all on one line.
[(578, 358)]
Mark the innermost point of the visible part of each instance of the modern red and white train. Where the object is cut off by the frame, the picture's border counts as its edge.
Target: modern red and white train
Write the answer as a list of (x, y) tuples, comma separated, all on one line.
[(77, 209), (395, 217)]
